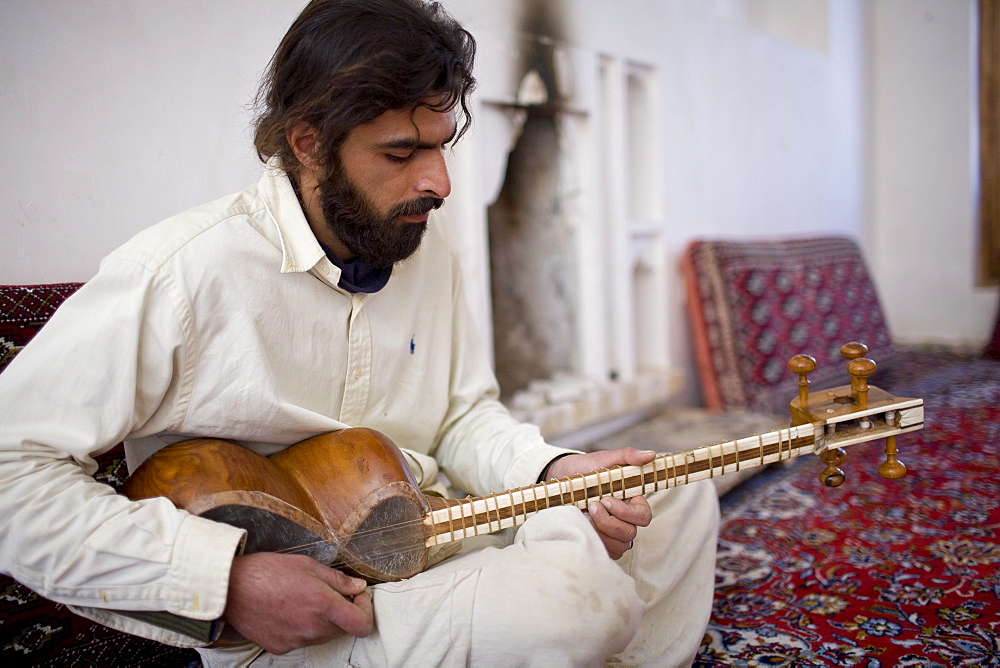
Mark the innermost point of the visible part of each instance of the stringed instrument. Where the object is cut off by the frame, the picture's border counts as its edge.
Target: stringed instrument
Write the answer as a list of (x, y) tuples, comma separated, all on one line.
[(348, 498)]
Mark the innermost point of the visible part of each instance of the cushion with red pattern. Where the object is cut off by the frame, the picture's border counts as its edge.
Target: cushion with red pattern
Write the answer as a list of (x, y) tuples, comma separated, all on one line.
[(754, 304)]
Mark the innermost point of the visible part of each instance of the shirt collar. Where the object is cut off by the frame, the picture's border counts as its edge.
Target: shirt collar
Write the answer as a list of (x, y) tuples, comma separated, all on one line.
[(299, 248)]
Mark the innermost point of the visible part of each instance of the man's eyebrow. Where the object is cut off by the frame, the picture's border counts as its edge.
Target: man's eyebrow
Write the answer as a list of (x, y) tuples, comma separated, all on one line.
[(405, 143), (414, 143)]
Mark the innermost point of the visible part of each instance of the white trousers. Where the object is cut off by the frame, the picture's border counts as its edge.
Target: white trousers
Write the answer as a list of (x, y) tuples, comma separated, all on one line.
[(545, 595)]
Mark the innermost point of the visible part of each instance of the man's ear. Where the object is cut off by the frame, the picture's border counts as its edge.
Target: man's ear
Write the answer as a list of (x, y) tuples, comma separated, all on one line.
[(304, 142)]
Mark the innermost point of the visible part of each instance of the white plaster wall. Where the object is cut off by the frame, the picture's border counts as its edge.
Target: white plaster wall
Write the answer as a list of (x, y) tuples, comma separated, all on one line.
[(925, 172), (119, 113)]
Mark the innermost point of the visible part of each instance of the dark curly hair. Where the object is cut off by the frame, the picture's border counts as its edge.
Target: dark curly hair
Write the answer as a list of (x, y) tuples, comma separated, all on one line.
[(346, 62)]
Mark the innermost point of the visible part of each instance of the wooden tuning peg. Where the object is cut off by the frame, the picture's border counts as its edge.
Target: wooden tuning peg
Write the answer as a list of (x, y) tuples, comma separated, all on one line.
[(833, 475), (803, 365), (853, 350), (891, 468), (860, 369)]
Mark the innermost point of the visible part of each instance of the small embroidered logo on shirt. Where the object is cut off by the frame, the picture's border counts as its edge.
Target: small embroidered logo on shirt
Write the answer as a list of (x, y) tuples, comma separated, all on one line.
[(413, 346)]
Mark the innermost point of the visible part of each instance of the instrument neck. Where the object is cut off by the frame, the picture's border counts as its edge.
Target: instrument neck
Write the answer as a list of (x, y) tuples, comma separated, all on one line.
[(487, 514)]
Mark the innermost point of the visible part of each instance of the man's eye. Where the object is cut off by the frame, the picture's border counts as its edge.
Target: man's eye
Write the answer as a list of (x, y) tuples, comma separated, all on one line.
[(398, 159)]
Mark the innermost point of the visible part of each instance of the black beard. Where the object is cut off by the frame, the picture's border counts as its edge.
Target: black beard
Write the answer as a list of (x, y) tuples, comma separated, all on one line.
[(375, 239)]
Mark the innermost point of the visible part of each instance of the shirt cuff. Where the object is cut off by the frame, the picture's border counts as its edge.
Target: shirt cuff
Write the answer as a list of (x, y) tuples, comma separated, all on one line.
[(545, 471), (532, 464), (199, 583), (199, 574)]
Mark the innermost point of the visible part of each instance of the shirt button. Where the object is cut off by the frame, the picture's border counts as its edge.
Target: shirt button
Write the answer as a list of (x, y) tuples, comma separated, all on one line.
[(357, 374)]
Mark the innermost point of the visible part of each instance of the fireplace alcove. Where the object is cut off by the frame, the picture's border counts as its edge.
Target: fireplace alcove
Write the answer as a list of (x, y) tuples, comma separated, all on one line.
[(562, 232)]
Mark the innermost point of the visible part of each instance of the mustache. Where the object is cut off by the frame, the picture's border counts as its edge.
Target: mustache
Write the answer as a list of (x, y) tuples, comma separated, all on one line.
[(416, 207)]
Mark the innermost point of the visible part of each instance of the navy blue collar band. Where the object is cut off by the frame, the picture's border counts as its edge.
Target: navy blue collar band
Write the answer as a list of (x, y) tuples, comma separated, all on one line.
[(359, 276)]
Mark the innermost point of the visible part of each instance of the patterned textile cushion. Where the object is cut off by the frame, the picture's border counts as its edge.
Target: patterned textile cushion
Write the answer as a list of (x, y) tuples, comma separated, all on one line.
[(33, 630), (755, 304), (23, 311)]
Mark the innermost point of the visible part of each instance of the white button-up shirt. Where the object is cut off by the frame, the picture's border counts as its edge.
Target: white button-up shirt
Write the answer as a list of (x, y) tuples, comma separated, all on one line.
[(226, 321)]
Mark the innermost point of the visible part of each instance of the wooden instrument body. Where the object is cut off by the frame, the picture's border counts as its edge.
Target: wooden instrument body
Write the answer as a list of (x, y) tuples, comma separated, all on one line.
[(347, 499)]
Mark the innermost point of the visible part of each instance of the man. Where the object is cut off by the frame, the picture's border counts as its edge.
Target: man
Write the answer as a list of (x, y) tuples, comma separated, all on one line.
[(319, 299)]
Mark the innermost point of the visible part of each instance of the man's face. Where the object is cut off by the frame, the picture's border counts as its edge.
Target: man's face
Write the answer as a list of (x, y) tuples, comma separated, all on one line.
[(393, 174)]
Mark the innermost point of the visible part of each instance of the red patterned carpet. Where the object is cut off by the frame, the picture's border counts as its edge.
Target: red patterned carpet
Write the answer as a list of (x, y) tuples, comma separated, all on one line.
[(876, 572)]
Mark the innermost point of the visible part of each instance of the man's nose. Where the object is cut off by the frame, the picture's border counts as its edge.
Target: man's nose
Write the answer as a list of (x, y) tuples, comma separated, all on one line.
[(434, 179)]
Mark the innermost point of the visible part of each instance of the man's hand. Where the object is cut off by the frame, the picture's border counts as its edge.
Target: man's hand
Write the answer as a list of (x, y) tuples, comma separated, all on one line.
[(616, 521), (283, 602)]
